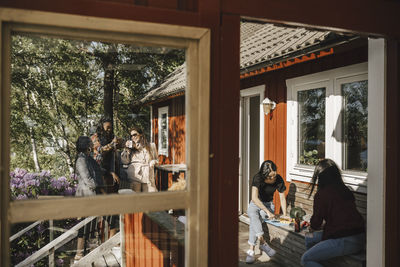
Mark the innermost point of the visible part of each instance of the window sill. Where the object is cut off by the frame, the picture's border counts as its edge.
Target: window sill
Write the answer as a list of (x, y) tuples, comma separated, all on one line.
[(356, 181)]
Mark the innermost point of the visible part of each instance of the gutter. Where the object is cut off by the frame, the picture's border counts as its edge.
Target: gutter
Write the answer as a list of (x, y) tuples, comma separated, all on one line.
[(298, 53)]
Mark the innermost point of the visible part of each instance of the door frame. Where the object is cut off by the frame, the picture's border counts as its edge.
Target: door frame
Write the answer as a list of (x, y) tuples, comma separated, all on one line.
[(245, 94)]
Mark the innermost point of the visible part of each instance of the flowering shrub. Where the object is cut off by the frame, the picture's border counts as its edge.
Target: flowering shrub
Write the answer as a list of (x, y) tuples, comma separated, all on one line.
[(25, 185)]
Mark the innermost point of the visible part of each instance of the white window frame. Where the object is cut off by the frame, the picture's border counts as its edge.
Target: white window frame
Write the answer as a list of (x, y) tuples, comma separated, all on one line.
[(258, 90), (196, 42), (161, 111), (331, 80)]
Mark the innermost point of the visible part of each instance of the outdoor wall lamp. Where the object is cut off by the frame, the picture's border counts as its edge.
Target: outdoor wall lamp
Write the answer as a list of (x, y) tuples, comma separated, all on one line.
[(268, 105)]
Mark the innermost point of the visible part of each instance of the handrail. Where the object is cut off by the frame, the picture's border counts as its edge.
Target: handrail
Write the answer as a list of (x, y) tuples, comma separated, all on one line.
[(100, 250), (55, 244), (23, 231)]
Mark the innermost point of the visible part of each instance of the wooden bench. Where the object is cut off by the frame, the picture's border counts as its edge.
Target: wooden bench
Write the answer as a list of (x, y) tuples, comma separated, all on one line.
[(290, 244)]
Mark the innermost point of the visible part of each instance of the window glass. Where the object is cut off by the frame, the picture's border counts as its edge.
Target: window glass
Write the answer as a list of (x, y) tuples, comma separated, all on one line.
[(136, 239), (163, 131), (355, 125), (64, 89), (311, 105)]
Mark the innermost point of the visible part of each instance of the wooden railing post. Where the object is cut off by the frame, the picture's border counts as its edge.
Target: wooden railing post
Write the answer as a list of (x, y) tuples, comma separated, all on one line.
[(51, 254)]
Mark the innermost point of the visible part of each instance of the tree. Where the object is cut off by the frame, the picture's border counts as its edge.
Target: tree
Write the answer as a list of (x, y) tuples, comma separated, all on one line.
[(60, 88)]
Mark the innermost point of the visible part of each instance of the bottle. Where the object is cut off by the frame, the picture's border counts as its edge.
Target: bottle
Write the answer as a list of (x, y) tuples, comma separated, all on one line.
[(297, 224)]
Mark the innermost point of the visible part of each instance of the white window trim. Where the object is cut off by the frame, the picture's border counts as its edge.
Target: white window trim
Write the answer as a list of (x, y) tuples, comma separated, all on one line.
[(331, 80), (254, 91), (151, 124), (161, 111), (194, 200), (377, 160)]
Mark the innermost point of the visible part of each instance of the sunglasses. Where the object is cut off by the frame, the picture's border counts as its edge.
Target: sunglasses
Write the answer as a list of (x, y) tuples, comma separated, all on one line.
[(134, 135)]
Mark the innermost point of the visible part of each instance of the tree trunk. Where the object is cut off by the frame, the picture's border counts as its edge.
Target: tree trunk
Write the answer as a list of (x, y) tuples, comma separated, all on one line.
[(109, 63), (65, 149), (32, 135), (34, 151)]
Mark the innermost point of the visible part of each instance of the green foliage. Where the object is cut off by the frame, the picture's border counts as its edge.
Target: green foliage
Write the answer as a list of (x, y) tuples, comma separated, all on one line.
[(58, 88), (311, 125), (309, 157)]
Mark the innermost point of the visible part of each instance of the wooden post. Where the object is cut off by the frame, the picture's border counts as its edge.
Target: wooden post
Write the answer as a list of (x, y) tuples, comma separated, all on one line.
[(122, 244), (51, 255)]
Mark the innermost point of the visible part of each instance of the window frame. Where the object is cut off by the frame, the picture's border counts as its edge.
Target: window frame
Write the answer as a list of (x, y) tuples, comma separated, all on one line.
[(194, 199), (331, 80), (161, 111)]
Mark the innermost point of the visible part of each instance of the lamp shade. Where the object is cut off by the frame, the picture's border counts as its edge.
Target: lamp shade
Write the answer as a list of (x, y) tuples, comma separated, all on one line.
[(268, 105)]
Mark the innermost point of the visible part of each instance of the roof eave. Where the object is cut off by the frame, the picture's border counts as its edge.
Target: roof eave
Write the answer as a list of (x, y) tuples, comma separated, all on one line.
[(298, 53)]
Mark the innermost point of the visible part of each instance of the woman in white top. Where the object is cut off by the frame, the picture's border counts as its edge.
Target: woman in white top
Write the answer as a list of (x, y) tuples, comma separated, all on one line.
[(140, 157)]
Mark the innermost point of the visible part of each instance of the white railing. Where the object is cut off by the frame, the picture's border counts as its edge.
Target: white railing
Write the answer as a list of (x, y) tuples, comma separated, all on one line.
[(53, 245)]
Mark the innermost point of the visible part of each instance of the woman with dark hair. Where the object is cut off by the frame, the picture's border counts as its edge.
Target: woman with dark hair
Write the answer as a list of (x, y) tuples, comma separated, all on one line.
[(344, 229), (88, 171), (104, 147), (89, 176), (264, 185), (140, 157)]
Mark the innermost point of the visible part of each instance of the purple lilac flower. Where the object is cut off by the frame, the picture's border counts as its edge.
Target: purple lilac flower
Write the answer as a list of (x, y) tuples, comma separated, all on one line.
[(22, 196)]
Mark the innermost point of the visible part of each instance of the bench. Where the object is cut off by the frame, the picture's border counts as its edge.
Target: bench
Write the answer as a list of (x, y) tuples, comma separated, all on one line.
[(289, 244)]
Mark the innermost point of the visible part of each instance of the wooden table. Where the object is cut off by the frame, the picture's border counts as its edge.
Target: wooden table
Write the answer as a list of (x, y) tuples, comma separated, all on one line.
[(162, 174)]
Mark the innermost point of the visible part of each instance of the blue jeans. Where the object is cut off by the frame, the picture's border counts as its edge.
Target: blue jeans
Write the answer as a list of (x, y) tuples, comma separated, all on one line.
[(318, 250), (257, 216)]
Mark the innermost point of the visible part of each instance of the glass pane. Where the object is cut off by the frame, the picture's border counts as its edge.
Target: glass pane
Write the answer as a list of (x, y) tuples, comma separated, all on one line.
[(355, 125), (84, 117), (311, 126), (140, 239)]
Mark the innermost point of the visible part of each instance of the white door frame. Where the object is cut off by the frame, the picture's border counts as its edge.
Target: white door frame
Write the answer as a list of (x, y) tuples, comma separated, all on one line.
[(244, 94)]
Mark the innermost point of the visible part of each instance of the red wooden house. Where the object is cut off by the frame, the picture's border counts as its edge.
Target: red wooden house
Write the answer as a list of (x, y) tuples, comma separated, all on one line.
[(373, 18), (295, 69)]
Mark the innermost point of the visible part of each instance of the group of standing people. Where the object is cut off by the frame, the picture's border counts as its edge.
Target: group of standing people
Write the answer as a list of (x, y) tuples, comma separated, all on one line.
[(336, 227), (102, 169)]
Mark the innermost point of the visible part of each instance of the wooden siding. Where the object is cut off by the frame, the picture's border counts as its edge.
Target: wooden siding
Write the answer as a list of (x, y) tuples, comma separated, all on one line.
[(225, 104), (149, 244), (275, 84), (298, 197), (176, 130)]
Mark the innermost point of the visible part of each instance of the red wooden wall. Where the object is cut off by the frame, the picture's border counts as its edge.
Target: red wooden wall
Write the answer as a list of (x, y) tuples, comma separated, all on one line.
[(176, 130), (147, 244), (222, 17), (275, 84)]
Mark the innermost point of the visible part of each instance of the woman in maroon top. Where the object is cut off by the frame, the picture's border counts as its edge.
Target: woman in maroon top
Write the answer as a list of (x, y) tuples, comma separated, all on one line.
[(344, 229)]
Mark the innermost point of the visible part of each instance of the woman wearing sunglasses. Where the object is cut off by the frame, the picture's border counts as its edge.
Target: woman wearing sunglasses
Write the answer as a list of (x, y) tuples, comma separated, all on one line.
[(140, 157)]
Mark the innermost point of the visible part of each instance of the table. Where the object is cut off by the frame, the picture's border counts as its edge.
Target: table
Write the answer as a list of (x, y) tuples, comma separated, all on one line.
[(163, 177)]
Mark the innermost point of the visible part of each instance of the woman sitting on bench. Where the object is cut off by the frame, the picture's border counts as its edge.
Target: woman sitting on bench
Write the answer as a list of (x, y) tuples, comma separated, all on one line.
[(264, 185), (334, 203)]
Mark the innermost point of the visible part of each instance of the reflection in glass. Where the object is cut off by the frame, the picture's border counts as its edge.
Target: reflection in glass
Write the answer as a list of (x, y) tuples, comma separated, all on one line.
[(311, 126), (140, 239), (62, 89), (355, 125)]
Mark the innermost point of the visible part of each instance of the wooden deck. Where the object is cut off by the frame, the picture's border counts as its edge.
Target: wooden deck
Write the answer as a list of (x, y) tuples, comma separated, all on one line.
[(261, 259)]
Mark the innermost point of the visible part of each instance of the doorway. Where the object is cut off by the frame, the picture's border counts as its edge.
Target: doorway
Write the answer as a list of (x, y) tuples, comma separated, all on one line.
[(251, 141)]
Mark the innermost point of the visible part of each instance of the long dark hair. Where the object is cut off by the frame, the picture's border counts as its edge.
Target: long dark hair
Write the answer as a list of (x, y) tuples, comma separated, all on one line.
[(143, 139), (101, 133), (327, 173), (83, 144), (266, 168)]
